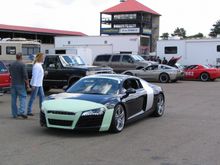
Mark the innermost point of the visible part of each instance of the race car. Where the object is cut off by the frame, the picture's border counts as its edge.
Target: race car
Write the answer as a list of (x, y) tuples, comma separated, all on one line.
[(104, 102), (201, 72), (157, 72)]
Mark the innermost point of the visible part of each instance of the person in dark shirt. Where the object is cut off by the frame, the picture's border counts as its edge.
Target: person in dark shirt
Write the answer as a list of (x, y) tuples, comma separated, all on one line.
[(19, 79), (164, 61)]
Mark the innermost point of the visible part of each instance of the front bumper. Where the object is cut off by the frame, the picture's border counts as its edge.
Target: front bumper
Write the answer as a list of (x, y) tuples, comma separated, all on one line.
[(74, 121), (4, 89)]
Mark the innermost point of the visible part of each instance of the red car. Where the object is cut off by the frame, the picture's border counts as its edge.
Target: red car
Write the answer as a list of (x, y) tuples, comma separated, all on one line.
[(5, 80), (201, 72)]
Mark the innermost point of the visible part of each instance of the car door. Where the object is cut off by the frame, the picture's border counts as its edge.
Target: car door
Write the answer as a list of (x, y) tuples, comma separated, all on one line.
[(115, 63), (55, 73), (4, 76), (135, 103), (189, 72), (127, 63), (151, 72)]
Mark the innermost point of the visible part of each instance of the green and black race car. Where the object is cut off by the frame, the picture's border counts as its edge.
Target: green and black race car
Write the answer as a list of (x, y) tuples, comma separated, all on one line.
[(104, 102)]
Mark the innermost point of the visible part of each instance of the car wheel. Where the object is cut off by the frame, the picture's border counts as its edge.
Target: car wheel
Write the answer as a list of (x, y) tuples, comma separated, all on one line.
[(164, 78), (128, 73), (159, 106), (118, 119), (204, 77)]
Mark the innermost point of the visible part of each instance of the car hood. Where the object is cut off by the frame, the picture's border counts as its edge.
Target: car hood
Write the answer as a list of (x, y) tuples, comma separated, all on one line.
[(101, 99), (70, 105)]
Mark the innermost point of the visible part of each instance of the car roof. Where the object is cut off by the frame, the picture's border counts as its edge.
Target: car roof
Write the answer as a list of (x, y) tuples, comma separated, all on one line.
[(119, 77)]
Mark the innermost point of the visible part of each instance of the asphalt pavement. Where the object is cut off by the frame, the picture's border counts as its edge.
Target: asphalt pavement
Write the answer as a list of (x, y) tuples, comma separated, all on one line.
[(188, 134)]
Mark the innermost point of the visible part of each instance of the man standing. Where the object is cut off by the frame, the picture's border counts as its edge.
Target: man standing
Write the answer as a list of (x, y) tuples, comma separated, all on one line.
[(19, 79)]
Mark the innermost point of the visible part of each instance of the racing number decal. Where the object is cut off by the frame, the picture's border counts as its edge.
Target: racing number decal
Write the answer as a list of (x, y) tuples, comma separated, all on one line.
[(189, 73)]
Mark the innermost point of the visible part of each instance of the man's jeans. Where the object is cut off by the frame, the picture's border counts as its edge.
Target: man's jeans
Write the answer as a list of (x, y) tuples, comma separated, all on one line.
[(37, 91), (20, 92)]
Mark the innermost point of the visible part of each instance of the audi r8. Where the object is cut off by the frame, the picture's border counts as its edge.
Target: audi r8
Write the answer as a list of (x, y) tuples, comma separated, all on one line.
[(105, 102)]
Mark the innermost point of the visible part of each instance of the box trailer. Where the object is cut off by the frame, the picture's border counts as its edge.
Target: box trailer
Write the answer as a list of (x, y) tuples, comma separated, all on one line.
[(136, 44), (193, 51)]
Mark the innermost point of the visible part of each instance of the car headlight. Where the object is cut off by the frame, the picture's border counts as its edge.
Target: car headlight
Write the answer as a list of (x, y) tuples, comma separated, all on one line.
[(94, 112), (110, 105)]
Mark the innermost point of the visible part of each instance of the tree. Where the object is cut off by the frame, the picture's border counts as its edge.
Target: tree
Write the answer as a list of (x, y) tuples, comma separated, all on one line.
[(165, 36), (215, 30), (181, 32), (199, 35)]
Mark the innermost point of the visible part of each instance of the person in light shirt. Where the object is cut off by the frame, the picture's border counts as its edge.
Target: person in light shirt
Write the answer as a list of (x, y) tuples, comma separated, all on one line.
[(36, 83)]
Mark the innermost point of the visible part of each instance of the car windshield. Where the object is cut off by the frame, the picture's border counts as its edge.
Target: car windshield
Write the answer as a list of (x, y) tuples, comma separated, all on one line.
[(72, 60), (100, 86), (137, 58)]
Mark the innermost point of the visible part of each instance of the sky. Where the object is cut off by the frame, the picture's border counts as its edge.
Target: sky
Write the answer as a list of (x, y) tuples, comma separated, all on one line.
[(84, 15)]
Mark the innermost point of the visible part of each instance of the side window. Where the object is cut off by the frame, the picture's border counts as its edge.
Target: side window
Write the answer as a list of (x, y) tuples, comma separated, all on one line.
[(170, 50), (132, 83), (2, 68), (127, 58), (165, 67), (152, 67), (53, 63), (218, 48), (116, 58), (103, 58), (11, 50)]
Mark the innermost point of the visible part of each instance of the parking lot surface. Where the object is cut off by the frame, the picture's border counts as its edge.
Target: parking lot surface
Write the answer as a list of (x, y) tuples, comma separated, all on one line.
[(188, 134)]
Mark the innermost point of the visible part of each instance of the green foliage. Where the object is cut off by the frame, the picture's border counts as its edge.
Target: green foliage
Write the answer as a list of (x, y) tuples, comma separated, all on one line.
[(181, 32), (215, 30), (165, 36), (199, 35)]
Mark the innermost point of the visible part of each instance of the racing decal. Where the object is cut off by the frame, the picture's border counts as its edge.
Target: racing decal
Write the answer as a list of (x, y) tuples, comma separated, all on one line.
[(150, 95), (189, 73)]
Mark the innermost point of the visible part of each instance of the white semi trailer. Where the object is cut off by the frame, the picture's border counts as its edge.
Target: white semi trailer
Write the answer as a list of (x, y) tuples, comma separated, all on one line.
[(193, 51), (136, 44)]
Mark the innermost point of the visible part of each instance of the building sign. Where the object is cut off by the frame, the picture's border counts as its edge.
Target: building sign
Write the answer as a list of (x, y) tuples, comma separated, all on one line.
[(147, 31), (110, 31), (129, 30)]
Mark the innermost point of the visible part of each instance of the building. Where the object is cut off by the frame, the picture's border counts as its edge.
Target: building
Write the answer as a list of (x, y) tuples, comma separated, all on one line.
[(131, 18), (46, 36), (192, 51)]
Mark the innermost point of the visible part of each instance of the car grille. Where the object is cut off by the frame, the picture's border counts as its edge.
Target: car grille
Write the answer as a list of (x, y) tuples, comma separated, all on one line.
[(42, 119), (90, 121), (60, 122), (61, 112)]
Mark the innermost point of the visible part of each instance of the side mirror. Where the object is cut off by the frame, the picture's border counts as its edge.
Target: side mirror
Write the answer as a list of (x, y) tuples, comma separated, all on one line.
[(128, 92)]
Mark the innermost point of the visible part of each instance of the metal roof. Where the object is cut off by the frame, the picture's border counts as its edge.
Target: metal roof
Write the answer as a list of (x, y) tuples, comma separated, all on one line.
[(129, 6), (39, 30)]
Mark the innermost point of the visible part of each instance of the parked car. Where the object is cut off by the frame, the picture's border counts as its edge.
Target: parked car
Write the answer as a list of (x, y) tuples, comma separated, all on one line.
[(201, 72), (121, 62), (5, 80), (157, 72), (104, 102), (64, 70)]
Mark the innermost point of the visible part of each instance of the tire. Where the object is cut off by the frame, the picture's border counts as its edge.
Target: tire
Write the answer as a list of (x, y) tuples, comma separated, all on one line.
[(118, 119), (159, 106), (164, 78), (129, 73), (204, 77)]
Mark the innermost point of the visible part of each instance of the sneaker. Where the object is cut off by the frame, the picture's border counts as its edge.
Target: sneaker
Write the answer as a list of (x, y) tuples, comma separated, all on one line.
[(30, 114), (23, 116)]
